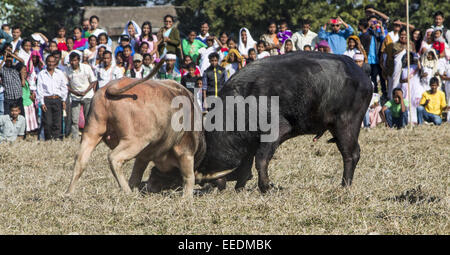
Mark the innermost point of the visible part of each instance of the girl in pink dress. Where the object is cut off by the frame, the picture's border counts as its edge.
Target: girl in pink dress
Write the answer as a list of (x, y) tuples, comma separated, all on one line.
[(147, 36)]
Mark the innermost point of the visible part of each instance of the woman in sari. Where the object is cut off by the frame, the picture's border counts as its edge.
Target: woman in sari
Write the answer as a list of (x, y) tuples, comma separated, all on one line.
[(246, 42), (168, 37)]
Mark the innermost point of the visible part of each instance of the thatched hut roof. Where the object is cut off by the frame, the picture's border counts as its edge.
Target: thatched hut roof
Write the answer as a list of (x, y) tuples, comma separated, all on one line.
[(113, 19)]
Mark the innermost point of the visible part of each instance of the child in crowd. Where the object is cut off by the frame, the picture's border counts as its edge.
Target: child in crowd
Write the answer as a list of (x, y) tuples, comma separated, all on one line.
[(124, 41), (307, 47), (90, 53), (323, 46), (395, 111), (103, 39), (261, 47), (149, 62), (184, 66), (284, 33), (143, 48), (429, 61), (127, 57), (138, 71), (354, 46), (60, 39), (288, 47), (232, 63), (252, 56), (120, 62), (189, 80), (432, 104), (200, 96)]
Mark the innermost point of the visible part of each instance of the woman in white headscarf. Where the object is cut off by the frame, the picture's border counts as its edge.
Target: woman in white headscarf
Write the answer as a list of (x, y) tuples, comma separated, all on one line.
[(246, 42), (133, 30), (429, 61)]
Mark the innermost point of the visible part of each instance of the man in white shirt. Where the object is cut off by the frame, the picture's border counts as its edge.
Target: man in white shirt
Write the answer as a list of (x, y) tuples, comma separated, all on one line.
[(305, 37), (81, 87), (204, 54), (51, 94), (17, 40), (107, 71)]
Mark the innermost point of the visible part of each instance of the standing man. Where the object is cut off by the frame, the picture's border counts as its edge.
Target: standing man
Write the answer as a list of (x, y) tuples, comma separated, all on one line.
[(439, 24), (17, 40), (337, 38), (305, 36), (370, 11), (375, 35), (85, 26), (81, 87), (52, 94), (214, 76), (13, 79), (204, 34)]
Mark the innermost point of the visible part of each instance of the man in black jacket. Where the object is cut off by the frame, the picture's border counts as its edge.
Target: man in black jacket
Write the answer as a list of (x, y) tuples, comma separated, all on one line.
[(214, 76)]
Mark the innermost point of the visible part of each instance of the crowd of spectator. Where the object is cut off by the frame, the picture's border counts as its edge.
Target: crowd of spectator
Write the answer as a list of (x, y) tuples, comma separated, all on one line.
[(46, 86)]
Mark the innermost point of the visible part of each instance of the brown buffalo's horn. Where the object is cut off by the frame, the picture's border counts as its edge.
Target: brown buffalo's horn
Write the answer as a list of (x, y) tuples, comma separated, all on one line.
[(208, 177)]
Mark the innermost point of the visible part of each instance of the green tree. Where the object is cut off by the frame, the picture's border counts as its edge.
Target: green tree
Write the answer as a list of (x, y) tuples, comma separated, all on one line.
[(231, 15), (25, 13)]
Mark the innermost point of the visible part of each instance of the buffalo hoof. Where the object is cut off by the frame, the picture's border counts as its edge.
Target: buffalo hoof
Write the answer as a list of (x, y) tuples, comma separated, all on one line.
[(270, 186), (264, 187), (346, 183)]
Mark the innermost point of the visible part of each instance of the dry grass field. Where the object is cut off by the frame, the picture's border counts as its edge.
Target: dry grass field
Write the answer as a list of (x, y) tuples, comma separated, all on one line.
[(401, 186)]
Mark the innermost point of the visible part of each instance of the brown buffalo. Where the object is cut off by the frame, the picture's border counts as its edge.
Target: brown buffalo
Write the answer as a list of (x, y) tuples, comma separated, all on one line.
[(133, 117)]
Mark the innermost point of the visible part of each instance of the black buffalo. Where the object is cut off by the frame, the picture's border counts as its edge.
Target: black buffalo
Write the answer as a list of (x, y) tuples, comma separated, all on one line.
[(317, 92)]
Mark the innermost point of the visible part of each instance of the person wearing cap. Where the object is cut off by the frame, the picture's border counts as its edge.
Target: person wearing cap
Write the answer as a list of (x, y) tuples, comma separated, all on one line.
[(82, 81), (139, 70), (169, 71), (361, 61), (354, 46), (124, 40), (337, 37)]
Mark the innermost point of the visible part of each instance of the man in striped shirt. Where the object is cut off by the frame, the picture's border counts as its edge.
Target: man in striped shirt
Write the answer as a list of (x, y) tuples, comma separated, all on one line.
[(13, 79)]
